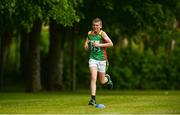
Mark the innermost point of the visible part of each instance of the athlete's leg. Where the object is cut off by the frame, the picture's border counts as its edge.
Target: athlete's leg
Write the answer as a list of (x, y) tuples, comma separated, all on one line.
[(102, 78), (105, 79), (93, 72), (93, 79), (101, 72)]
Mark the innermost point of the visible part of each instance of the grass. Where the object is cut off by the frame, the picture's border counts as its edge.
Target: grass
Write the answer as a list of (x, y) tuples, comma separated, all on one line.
[(124, 102)]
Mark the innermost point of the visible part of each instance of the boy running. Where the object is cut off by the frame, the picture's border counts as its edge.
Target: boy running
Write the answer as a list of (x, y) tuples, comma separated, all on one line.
[(96, 42)]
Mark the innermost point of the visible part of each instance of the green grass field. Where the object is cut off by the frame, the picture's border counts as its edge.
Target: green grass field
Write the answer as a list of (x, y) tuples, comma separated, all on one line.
[(124, 102)]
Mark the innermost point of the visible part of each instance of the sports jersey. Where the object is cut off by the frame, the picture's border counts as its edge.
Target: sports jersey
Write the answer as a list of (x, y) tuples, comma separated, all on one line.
[(97, 53)]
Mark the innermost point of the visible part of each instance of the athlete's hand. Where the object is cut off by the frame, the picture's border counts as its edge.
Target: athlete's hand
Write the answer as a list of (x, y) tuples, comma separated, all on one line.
[(96, 44), (86, 46)]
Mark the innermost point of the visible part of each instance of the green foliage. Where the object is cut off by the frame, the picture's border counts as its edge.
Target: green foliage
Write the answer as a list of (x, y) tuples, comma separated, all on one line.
[(62, 11), (44, 41), (7, 13), (137, 15), (22, 13), (133, 69)]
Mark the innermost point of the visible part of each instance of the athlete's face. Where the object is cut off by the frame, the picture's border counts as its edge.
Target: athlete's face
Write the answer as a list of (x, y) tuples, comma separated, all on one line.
[(96, 26)]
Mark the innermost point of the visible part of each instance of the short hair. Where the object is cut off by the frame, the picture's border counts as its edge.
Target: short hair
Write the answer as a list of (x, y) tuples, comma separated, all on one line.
[(97, 20)]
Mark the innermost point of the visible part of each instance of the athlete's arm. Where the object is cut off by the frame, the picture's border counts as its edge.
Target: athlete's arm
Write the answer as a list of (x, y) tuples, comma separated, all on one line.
[(107, 43), (86, 44)]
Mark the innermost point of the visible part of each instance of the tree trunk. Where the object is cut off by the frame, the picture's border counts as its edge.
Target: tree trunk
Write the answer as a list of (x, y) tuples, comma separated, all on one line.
[(55, 57), (73, 60), (24, 44), (5, 41), (1, 65), (33, 74)]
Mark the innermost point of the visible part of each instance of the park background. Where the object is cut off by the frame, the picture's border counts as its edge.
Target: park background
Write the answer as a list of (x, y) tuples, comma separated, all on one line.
[(41, 44)]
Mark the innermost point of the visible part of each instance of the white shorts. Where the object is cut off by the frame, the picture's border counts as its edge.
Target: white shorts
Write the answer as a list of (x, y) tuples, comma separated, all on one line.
[(101, 65)]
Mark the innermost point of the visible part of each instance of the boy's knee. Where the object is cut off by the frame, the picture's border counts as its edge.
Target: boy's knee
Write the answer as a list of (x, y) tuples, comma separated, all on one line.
[(102, 82)]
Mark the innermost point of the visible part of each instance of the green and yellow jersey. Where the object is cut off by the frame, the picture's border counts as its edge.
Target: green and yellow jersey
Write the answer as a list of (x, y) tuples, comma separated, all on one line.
[(97, 53)]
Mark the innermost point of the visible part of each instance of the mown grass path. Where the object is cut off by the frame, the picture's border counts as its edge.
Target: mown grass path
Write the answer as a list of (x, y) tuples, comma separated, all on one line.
[(149, 102)]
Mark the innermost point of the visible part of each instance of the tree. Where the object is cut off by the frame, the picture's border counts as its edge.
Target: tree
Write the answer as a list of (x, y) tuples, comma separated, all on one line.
[(29, 21), (60, 15), (33, 75), (56, 13), (7, 31), (55, 57)]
